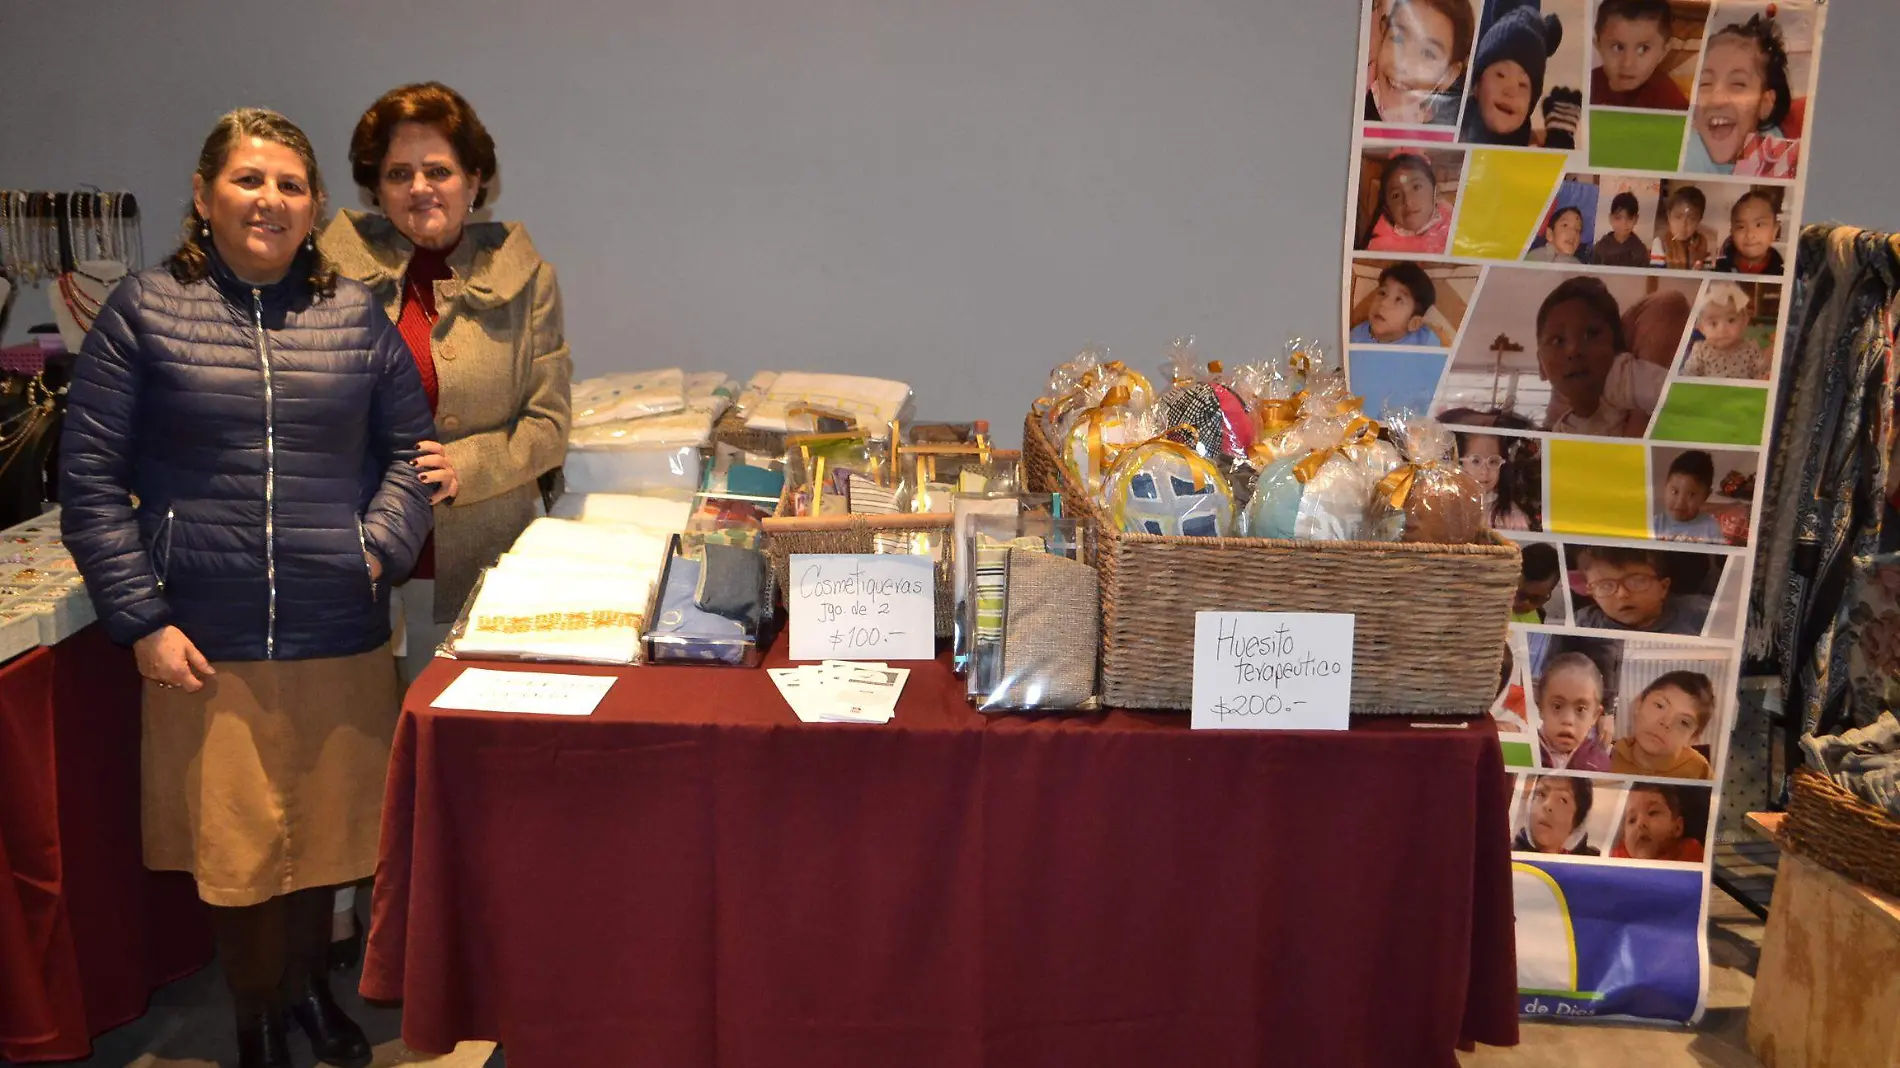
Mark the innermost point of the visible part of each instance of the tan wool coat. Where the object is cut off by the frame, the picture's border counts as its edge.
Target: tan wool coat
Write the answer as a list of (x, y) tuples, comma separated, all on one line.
[(503, 372)]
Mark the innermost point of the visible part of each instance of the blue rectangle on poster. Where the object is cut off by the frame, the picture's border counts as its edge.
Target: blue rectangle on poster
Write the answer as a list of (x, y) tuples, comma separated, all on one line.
[(1391, 381), (1611, 940)]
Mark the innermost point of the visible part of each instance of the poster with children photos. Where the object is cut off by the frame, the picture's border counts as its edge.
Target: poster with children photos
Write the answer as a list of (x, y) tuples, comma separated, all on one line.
[(1569, 229)]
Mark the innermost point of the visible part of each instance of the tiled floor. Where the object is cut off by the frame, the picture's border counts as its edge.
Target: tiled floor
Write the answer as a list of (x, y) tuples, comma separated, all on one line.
[(189, 1025)]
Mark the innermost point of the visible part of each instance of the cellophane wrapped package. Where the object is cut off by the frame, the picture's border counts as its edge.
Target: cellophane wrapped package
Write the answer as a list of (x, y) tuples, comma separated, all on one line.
[(1033, 610), (1440, 502)]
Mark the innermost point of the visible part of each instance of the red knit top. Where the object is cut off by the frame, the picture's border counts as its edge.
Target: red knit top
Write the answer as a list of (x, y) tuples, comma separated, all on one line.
[(427, 267)]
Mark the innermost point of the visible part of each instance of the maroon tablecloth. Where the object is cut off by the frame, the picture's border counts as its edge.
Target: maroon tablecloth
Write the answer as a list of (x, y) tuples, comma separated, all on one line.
[(690, 877), (86, 932)]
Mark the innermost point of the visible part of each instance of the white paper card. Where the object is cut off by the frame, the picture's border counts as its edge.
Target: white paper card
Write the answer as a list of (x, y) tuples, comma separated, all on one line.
[(1269, 671), (869, 607), (541, 692)]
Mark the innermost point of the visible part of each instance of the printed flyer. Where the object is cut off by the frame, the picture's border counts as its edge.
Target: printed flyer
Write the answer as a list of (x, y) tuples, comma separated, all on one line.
[(1569, 238)]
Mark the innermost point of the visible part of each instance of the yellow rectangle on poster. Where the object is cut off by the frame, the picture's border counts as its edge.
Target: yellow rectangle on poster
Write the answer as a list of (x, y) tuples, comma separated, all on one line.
[(1502, 201), (1599, 488)]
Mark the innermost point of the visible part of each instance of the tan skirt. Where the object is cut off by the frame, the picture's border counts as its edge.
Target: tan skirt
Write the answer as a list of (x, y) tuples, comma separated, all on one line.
[(270, 779)]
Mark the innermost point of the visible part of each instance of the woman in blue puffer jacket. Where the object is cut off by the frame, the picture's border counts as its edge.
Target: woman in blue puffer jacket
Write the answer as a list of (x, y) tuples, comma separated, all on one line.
[(242, 478)]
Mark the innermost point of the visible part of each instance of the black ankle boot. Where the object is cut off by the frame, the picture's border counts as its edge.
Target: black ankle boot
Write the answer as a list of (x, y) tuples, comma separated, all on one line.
[(263, 1041), (335, 1037)]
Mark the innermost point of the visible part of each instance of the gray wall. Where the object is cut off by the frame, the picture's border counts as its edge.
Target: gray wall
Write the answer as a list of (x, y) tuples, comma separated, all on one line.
[(956, 193)]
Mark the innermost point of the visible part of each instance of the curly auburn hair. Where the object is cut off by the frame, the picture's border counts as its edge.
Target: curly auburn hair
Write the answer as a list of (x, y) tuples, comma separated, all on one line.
[(191, 261), (431, 104)]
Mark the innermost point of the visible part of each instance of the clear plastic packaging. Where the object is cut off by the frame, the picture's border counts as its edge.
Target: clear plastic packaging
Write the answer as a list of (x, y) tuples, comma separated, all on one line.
[(1097, 435), (1323, 487), (1032, 607), (1441, 504), (1001, 501), (710, 608), (632, 469), (1068, 379), (1164, 487), (1204, 401), (628, 395)]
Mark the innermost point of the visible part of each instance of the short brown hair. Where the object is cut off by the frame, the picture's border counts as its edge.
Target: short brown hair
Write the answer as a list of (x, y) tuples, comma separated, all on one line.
[(1691, 684), (432, 104)]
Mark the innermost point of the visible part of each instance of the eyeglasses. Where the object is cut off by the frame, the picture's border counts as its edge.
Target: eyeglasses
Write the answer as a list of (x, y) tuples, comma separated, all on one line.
[(1482, 463), (1628, 584)]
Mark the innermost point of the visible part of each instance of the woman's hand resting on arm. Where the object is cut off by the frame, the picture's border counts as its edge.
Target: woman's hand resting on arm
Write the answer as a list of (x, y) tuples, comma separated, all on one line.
[(438, 472)]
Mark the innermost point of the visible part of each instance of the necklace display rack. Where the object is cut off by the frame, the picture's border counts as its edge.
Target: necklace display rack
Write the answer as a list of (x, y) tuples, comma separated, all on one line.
[(82, 242)]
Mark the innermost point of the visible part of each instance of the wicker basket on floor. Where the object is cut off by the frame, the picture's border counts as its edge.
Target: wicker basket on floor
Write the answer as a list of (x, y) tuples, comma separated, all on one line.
[(1429, 627), (1842, 833)]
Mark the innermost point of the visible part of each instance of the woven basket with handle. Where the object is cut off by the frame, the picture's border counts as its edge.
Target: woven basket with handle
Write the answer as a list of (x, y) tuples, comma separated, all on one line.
[(787, 535), (1843, 833), (1429, 626)]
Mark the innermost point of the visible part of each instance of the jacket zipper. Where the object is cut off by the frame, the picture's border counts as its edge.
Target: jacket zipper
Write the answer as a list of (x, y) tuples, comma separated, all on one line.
[(270, 472), (363, 540), (164, 559)]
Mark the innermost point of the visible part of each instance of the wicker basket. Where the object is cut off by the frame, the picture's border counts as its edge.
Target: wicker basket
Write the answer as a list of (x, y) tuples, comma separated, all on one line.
[(731, 430), (1429, 632), (787, 535), (1842, 833)]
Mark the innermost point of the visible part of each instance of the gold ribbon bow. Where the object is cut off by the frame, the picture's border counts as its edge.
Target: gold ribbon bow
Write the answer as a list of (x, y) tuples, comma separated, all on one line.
[(1167, 443), (1099, 449), (1396, 486), (1361, 431)]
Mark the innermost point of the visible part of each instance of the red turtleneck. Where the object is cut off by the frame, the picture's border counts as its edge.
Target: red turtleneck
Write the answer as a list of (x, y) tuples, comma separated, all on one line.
[(427, 267)]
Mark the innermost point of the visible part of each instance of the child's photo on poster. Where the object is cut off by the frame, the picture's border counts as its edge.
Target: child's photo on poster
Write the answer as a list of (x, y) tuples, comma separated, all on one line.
[(1539, 600), (1573, 696), (1750, 108), (1619, 211), (1673, 708), (1702, 495), (1663, 821), (1416, 61), (1644, 53), (1526, 82), (1646, 591), (1508, 467), (1406, 303), (1565, 815), (1406, 198), (1733, 336), (1584, 354)]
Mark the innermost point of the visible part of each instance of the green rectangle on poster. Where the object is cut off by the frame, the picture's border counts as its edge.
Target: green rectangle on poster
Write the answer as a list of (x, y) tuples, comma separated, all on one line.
[(1714, 415), (1519, 755), (1635, 141)]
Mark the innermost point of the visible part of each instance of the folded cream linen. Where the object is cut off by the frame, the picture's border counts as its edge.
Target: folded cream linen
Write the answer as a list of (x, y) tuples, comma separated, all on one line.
[(654, 513), (689, 425), (627, 395), (585, 616), (873, 402)]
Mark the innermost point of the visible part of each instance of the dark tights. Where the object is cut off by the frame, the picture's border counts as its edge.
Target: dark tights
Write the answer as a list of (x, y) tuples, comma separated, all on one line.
[(270, 950)]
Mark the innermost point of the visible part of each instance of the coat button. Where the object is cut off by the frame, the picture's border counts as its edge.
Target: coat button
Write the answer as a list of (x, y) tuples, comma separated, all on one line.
[(443, 352), (450, 422)]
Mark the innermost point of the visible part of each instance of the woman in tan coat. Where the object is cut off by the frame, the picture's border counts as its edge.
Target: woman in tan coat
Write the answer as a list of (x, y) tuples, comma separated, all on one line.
[(481, 312)]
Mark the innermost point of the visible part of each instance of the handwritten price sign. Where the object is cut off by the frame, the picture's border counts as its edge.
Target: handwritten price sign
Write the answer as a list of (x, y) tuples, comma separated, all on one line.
[(873, 607), (1268, 671)]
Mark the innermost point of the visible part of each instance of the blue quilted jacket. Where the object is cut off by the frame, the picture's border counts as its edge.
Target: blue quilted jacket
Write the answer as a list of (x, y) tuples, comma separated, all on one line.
[(230, 454)]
